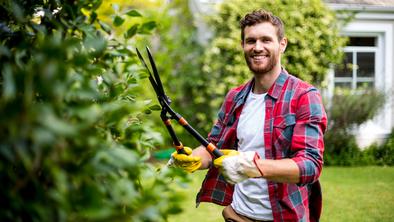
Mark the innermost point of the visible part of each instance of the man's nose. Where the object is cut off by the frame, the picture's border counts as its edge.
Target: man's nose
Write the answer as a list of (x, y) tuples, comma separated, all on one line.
[(259, 46)]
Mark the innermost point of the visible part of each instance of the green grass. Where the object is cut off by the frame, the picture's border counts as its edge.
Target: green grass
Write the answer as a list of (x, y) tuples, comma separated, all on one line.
[(358, 194), (349, 194)]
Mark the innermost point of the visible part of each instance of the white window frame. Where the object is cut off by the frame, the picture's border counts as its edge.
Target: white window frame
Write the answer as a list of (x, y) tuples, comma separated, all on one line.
[(378, 128), (354, 50)]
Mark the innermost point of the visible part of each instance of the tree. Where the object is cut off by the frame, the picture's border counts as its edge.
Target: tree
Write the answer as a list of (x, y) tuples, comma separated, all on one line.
[(75, 135)]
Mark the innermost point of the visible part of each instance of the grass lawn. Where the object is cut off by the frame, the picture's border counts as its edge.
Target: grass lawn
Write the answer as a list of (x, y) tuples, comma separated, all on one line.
[(349, 194)]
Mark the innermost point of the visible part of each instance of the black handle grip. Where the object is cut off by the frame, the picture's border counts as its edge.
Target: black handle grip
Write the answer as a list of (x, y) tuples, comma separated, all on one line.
[(216, 152)]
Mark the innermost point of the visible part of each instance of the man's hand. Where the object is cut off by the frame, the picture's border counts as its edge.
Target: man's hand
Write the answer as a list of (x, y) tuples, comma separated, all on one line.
[(186, 161), (238, 166)]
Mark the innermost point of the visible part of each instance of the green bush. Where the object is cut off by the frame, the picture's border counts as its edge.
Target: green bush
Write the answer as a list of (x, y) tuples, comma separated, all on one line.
[(382, 155), (349, 109), (385, 155), (75, 136), (341, 150)]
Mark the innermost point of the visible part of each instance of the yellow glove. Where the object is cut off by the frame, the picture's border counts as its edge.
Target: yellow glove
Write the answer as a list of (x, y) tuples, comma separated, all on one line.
[(186, 161), (218, 162)]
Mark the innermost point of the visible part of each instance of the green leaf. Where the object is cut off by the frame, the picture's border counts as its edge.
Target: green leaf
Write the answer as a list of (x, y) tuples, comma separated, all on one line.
[(57, 125), (118, 157), (133, 13), (93, 17), (155, 107), (105, 27), (132, 31), (17, 11), (4, 51), (95, 45), (118, 21), (96, 4), (8, 83), (147, 111), (147, 27)]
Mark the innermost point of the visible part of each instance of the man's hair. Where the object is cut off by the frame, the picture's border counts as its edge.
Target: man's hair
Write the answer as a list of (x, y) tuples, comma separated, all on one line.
[(259, 16)]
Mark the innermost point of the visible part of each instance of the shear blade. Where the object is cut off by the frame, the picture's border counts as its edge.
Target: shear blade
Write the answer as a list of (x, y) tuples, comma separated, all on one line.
[(155, 78), (154, 69)]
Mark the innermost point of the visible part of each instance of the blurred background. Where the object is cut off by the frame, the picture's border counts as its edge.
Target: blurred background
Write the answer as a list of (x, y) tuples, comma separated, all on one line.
[(80, 134)]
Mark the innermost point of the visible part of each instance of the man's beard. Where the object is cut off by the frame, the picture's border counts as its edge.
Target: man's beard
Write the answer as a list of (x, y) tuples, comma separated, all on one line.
[(260, 69)]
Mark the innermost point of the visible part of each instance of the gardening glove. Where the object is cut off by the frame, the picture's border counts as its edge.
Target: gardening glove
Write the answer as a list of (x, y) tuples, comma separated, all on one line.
[(238, 166), (186, 161)]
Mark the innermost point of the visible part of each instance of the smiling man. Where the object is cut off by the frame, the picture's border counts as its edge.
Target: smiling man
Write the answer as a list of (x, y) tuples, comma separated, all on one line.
[(270, 130)]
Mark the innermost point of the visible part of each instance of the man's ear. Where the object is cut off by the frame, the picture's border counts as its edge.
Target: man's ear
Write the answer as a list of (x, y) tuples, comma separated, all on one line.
[(283, 44)]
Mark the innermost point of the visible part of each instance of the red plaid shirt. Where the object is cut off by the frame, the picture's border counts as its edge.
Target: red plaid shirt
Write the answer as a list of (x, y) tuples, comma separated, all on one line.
[(295, 121)]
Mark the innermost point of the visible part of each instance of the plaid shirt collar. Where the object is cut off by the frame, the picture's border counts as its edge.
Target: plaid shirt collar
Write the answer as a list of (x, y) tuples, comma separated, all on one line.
[(274, 90)]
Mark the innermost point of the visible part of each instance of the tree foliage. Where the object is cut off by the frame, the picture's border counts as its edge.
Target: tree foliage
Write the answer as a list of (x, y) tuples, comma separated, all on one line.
[(313, 45), (75, 135), (311, 28)]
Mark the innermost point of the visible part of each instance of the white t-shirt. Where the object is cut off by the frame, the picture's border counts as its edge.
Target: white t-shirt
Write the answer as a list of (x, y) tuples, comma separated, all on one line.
[(251, 197)]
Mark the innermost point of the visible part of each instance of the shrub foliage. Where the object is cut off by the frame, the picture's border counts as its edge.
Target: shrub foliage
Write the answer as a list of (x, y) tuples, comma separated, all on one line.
[(347, 110), (75, 139), (383, 155)]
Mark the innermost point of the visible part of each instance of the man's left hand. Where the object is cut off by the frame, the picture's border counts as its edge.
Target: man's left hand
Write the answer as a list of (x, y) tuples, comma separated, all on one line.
[(238, 166)]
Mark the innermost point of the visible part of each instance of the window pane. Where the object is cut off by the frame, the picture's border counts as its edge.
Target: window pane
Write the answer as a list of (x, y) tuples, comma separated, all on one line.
[(343, 84), (365, 84), (345, 69), (362, 41), (366, 64)]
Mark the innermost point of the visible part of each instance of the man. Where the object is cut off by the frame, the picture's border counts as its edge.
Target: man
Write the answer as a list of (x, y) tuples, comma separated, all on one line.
[(271, 133)]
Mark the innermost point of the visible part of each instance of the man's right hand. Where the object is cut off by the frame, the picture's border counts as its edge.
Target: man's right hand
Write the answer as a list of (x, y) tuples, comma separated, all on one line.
[(186, 161)]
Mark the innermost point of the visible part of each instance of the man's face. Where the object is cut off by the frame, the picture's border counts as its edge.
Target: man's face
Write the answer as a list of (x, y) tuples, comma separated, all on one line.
[(261, 47)]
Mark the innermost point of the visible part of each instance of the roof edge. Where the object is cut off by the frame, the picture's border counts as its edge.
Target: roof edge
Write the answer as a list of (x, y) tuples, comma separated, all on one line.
[(360, 7)]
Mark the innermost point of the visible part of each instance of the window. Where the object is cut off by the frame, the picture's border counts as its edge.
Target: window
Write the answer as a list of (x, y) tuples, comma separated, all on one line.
[(358, 68)]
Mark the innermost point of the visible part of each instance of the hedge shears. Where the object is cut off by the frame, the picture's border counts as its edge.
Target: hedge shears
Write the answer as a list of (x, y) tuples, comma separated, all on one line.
[(167, 113)]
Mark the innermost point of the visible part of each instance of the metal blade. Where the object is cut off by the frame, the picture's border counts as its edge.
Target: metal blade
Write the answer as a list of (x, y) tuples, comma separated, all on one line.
[(151, 79), (155, 73)]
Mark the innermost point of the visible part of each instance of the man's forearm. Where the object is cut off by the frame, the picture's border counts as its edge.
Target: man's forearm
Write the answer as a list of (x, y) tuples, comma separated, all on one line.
[(282, 171)]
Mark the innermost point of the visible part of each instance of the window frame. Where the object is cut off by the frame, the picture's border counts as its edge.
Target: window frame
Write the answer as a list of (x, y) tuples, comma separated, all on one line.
[(354, 79)]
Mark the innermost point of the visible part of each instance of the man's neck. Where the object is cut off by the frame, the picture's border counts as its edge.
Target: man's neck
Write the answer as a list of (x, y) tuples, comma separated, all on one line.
[(264, 81)]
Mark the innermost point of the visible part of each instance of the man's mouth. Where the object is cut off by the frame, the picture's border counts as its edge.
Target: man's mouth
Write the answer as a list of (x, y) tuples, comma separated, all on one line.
[(259, 57)]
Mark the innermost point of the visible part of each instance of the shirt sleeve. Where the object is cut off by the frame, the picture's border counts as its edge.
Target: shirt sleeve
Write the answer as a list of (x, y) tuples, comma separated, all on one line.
[(307, 142), (214, 134)]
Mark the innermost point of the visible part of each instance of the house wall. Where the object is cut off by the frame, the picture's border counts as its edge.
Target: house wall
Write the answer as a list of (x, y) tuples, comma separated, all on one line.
[(376, 20)]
